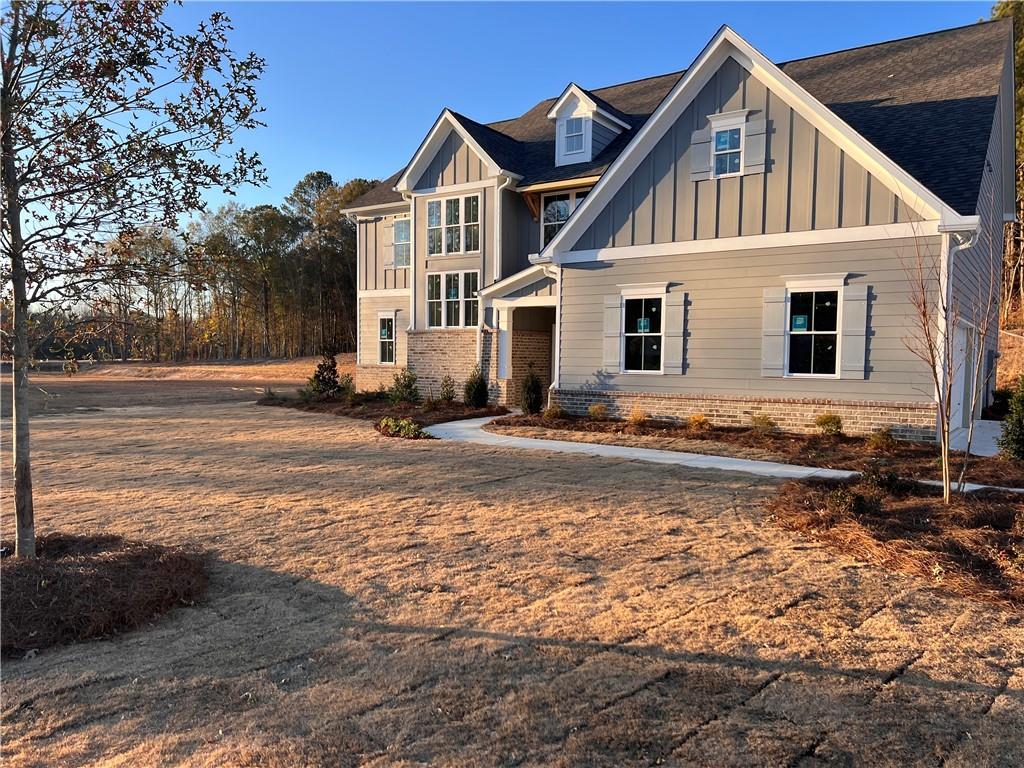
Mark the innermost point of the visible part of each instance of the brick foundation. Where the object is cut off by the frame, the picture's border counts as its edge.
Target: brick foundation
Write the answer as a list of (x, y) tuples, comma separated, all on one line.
[(436, 353), (370, 378), (910, 421), (529, 348)]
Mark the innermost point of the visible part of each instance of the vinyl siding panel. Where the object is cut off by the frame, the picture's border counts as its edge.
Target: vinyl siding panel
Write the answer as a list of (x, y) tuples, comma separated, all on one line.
[(804, 186), (369, 329), (454, 163), (375, 253), (724, 314), (601, 136)]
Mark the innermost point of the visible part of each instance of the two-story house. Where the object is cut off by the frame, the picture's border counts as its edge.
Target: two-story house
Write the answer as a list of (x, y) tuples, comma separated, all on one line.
[(731, 239)]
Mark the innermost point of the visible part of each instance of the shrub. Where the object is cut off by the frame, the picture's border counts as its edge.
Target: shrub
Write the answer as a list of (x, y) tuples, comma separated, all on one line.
[(475, 392), (881, 440), (1000, 404), (829, 424), (597, 411), (1011, 442), (305, 395), (875, 476), (554, 413), (531, 393), (637, 415), (324, 380), (447, 389), (404, 389), (346, 388), (70, 367), (406, 428), (844, 501), (698, 422), (763, 424)]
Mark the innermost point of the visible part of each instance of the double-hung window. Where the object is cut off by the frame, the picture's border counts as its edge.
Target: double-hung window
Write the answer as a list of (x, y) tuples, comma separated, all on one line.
[(557, 209), (402, 242), (813, 329), (452, 300), (642, 334), (573, 135), (386, 323), (727, 144), (453, 225)]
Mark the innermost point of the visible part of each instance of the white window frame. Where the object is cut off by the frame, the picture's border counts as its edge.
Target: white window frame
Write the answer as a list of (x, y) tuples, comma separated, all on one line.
[(463, 299), (812, 284), (395, 243), (649, 291), (727, 121), (582, 133), (393, 317), (574, 202), (443, 227)]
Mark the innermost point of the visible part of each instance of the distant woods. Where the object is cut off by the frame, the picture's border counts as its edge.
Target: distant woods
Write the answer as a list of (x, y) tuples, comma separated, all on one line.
[(266, 281)]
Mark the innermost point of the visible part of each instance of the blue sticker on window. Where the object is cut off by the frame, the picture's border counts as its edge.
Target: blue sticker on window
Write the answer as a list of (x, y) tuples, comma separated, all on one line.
[(799, 323), (643, 325)]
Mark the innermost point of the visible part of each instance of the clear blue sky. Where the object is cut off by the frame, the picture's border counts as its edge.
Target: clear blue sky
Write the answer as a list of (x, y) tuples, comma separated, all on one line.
[(352, 88)]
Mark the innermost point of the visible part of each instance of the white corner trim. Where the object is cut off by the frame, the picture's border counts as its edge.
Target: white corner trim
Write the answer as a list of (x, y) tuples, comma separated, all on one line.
[(823, 280), (747, 242), (643, 289)]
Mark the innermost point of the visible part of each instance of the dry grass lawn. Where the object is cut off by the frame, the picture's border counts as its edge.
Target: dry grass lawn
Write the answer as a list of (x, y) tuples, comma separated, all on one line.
[(389, 602)]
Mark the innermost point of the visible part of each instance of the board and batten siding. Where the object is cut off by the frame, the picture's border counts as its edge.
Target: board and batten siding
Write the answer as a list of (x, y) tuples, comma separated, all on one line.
[(520, 234), (369, 329), (809, 183), (376, 256), (454, 163), (722, 320)]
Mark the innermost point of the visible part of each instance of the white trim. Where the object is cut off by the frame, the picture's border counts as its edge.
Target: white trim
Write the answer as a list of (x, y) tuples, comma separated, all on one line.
[(726, 43), (411, 276), (359, 282), (727, 121), (382, 293), (444, 300), (392, 315), (746, 242), (637, 291), (811, 284), (432, 144), (443, 201), (556, 377), (643, 290), (574, 90), (574, 203), (551, 186), (378, 206), (451, 189), (523, 277), (525, 301), (825, 281), (394, 241), (500, 185)]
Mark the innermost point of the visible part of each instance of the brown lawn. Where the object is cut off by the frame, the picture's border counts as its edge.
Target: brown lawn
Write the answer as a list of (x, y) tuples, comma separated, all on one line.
[(390, 602)]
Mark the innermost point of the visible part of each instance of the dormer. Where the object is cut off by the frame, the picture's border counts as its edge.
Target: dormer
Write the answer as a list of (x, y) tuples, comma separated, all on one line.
[(584, 126)]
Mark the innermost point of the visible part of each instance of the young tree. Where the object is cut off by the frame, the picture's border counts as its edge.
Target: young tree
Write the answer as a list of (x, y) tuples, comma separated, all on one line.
[(109, 118)]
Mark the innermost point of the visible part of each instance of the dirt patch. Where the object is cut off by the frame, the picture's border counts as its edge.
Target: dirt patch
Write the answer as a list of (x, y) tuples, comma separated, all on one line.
[(299, 368), (1011, 358), (908, 459), (973, 547), (83, 587), (374, 407)]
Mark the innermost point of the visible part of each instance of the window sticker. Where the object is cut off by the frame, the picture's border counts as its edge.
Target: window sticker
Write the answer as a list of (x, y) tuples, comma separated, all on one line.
[(799, 323)]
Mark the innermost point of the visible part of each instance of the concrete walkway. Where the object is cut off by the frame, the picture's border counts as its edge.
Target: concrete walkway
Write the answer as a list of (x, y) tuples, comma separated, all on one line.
[(983, 443), (470, 431)]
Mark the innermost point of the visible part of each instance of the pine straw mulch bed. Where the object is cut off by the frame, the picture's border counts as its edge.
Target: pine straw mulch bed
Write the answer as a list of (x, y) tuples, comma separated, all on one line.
[(82, 587), (972, 548), (373, 407), (912, 460)]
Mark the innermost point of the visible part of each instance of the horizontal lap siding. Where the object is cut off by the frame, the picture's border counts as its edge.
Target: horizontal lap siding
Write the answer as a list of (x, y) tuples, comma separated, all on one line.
[(723, 320), (369, 374), (375, 252)]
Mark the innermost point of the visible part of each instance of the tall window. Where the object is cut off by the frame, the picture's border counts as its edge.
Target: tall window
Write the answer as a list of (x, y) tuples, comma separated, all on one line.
[(813, 332), (452, 300), (573, 135), (402, 242), (435, 241), (387, 339), (642, 335), (727, 149), (557, 209), (453, 225)]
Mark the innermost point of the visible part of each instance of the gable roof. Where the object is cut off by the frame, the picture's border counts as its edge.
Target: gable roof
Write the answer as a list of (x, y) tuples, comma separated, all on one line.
[(926, 102)]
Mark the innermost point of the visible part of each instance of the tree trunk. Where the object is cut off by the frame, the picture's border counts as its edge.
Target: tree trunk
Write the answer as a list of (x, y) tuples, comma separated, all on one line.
[(266, 317)]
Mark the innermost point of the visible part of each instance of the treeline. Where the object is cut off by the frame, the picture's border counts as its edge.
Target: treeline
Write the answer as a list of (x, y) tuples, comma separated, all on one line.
[(266, 281)]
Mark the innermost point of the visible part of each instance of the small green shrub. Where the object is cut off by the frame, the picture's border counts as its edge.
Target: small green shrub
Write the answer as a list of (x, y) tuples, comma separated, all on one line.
[(404, 389), (1011, 442), (554, 413), (447, 389), (763, 424), (406, 428), (597, 411), (305, 395), (324, 380), (829, 424), (531, 393), (698, 422), (475, 391), (881, 440)]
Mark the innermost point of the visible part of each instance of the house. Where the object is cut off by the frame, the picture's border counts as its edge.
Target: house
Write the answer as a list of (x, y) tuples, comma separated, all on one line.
[(732, 239)]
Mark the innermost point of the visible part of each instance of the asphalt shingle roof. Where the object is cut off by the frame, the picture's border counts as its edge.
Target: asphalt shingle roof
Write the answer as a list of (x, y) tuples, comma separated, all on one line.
[(927, 102)]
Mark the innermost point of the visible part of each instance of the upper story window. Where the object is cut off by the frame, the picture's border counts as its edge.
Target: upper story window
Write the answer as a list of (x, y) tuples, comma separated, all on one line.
[(727, 144), (573, 135), (813, 331), (453, 225), (556, 211), (402, 242)]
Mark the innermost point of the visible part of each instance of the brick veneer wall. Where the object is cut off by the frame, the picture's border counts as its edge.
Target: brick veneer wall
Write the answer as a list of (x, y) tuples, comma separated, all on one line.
[(908, 420), (439, 352), (370, 378), (529, 347)]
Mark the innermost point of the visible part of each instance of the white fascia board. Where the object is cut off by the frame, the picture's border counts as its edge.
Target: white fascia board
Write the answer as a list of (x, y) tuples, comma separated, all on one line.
[(432, 143), (750, 242), (378, 207), (519, 279), (574, 90), (727, 43)]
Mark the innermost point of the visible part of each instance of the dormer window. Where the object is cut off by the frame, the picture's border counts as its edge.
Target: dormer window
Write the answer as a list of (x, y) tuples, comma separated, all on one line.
[(573, 135)]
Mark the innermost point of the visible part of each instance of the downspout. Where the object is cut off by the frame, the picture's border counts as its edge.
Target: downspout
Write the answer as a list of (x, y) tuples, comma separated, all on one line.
[(952, 244), (502, 183), (408, 197), (354, 218)]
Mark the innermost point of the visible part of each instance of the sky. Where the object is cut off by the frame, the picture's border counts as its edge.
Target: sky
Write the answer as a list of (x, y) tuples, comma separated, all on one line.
[(352, 88)]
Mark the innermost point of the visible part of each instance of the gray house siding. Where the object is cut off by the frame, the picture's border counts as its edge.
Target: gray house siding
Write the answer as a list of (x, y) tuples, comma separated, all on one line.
[(539, 288), (722, 321), (809, 182), (369, 328), (454, 163), (600, 137), (520, 234), (376, 253)]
